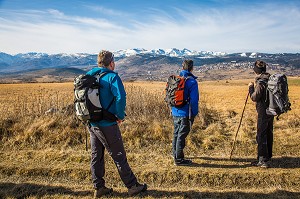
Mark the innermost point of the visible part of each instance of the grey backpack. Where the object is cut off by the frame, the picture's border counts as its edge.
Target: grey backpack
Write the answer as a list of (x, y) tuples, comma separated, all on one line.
[(277, 94), (87, 99)]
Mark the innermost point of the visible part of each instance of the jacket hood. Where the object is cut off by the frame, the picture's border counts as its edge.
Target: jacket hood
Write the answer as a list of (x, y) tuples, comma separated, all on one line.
[(98, 70), (263, 77), (186, 73)]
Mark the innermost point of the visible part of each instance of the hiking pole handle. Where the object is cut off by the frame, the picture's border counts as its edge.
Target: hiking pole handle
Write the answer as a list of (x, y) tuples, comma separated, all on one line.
[(239, 126)]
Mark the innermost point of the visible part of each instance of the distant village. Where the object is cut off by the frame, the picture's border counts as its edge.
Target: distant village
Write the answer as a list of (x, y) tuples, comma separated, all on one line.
[(162, 75), (239, 65)]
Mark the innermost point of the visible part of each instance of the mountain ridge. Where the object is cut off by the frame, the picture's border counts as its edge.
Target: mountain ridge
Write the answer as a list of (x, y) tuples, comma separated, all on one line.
[(140, 64)]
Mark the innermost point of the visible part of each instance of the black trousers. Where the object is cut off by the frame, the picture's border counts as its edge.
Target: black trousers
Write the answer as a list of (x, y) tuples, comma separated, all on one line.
[(109, 138), (264, 136)]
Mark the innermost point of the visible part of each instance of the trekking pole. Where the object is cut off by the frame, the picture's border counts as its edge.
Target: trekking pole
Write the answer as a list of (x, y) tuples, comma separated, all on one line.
[(190, 116), (86, 140), (239, 126), (86, 135)]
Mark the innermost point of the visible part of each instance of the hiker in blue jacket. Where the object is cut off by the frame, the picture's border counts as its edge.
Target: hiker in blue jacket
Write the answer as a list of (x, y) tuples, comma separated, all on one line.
[(183, 117), (106, 133)]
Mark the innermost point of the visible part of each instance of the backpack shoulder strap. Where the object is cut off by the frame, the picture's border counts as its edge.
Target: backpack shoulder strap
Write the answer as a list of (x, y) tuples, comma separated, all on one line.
[(185, 79), (262, 81), (190, 76), (103, 73), (100, 76)]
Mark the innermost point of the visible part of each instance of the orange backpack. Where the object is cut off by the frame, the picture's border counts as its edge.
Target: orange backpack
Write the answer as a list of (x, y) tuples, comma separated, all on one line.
[(175, 91)]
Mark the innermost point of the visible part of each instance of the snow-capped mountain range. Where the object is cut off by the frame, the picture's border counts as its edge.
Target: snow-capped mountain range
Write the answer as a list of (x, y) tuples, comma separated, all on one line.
[(137, 57), (35, 60), (172, 52)]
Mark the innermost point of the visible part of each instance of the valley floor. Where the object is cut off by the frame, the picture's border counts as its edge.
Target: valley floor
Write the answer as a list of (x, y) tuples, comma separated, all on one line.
[(43, 155)]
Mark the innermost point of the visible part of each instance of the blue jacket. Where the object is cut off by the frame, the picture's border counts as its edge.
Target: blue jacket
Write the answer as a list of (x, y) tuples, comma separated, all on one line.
[(191, 92), (112, 89)]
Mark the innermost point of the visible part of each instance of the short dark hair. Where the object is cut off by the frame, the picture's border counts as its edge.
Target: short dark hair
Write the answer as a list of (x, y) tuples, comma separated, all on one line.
[(105, 58), (260, 67), (188, 64)]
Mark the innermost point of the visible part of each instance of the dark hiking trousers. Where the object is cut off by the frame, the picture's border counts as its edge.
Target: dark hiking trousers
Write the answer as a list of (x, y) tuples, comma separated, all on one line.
[(264, 136), (182, 127), (109, 137)]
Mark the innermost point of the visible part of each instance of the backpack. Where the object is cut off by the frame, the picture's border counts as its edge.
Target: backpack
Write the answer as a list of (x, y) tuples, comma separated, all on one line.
[(87, 99), (277, 94), (175, 91)]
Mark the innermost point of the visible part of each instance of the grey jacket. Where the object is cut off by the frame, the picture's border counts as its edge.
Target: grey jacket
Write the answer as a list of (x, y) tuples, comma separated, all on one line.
[(258, 93)]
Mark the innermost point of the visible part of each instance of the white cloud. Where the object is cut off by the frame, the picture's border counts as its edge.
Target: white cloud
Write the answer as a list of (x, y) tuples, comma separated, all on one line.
[(47, 34), (107, 11), (56, 13), (260, 29), (229, 30)]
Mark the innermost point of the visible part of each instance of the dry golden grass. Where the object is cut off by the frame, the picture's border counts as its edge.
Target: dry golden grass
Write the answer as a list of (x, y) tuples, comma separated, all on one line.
[(43, 155), (22, 100)]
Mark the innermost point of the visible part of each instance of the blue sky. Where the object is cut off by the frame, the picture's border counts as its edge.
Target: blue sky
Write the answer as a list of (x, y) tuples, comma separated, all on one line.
[(58, 26)]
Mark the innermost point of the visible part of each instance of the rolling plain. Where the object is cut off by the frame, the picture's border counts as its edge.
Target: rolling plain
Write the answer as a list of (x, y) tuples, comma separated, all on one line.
[(43, 146)]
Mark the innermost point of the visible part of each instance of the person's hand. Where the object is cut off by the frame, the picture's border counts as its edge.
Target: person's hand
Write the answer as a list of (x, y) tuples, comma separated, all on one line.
[(251, 84), (119, 121)]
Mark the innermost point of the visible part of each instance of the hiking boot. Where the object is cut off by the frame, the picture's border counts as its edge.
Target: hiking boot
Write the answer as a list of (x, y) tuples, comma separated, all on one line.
[(263, 164), (183, 162), (137, 188), (102, 191)]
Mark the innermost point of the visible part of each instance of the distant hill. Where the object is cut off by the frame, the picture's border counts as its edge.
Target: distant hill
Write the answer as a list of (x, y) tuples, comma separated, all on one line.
[(138, 64), (42, 75)]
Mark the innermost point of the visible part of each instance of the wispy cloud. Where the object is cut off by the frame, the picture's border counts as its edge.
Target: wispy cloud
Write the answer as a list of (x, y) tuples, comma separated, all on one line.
[(106, 11), (267, 28), (53, 32), (56, 13), (262, 28)]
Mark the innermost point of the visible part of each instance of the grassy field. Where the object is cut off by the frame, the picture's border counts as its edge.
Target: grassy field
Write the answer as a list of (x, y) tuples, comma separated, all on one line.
[(43, 146)]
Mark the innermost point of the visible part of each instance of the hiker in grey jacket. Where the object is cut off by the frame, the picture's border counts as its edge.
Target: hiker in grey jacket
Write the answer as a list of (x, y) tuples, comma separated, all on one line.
[(105, 134), (264, 136)]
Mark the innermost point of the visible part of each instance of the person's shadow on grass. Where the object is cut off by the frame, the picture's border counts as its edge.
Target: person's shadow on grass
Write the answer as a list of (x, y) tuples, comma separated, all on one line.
[(276, 162), (25, 190)]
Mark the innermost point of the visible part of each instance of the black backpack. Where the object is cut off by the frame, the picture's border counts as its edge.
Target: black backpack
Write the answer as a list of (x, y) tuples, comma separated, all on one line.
[(87, 99), (277, 94)]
